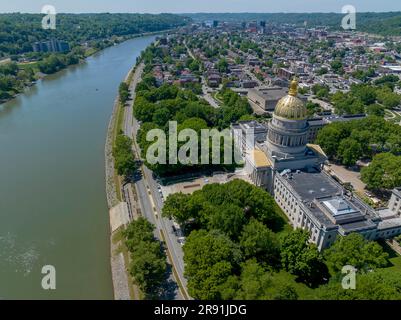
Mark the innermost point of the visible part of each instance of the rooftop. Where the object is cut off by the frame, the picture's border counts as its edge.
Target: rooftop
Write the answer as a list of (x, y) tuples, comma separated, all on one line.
[(397, 192), (312, 185), (273, 93), (260, 159), (327, 201)]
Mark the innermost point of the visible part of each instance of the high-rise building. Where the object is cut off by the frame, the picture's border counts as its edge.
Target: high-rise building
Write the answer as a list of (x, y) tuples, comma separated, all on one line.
[(52, 45)]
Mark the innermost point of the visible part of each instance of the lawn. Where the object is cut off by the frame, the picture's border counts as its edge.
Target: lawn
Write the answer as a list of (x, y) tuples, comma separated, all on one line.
[(284, 278), (394, 258), (32, 65)]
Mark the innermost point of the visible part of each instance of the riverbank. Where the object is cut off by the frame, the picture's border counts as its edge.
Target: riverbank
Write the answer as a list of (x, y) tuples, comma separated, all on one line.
[(88, 53), (122, 206), (117, 261)]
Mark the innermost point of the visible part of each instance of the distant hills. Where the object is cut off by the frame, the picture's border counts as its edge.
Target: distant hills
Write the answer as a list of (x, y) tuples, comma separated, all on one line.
[(18, 31), (383, 23)]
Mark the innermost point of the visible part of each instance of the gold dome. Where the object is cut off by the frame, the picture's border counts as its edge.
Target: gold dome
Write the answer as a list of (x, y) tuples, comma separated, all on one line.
[(290, 106)]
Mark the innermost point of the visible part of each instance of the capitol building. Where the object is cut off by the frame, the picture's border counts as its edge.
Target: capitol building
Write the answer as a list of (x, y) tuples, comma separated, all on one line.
[(279, 159)]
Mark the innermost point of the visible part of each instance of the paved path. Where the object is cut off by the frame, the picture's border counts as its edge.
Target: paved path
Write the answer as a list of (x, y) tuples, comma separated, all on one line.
[(349, 176), (120, 279)]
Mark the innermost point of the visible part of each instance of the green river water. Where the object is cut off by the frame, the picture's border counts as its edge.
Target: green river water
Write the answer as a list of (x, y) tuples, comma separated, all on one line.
[(53, 208)]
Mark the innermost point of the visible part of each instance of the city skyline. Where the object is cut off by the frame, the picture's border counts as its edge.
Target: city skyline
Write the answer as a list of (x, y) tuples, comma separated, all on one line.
[(207, 6)]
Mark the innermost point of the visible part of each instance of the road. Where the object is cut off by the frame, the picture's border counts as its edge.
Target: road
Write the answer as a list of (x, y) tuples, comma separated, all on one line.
[(150, 198), (205, 88), (207, 96), (253, 77), (152, 205)]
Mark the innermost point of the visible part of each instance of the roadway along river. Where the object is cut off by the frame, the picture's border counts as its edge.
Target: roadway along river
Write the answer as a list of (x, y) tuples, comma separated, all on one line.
[(53, 208)]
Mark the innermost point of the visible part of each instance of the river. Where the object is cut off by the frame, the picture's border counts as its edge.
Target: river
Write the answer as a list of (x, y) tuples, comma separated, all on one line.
[(53, 208)]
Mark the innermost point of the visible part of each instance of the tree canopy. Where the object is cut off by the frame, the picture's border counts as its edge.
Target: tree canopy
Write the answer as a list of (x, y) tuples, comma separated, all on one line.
[(303, 259), (383, 173), (353, 140), (148, 266), (356, 251)]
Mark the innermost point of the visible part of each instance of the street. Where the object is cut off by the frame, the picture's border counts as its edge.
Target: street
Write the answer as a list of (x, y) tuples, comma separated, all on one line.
[(150, 199)]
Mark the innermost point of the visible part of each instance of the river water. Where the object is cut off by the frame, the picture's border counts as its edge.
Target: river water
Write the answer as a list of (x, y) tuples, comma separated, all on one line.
[(53, 208)]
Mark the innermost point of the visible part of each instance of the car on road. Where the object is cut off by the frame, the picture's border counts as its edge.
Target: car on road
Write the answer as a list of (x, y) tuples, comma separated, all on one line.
[(181, 240)]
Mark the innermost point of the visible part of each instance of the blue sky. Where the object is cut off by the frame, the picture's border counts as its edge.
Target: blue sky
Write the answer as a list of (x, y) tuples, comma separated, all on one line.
[(184, 6)]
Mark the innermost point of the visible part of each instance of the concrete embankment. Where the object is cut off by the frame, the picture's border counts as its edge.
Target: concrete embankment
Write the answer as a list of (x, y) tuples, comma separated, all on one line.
[(116, 209)]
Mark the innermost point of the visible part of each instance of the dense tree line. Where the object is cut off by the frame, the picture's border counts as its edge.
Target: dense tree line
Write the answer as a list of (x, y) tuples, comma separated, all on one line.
[(148, 266), (19, 31), (123, 92), (383, 173), (236, 248), (56, 62), (124, 160), (156, 106), (367, 99), (348, 142), (13, 80)]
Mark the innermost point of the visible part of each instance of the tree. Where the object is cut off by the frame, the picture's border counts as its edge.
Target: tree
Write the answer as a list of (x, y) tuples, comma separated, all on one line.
[(194, 65), (354, 250), (388, 98), (381, 284), (321, 91), (123, 92), (259, 242), (138, 231), (148, 266), (329, 138), (394, 143), (376, 110), (312, 108), (303, 259), (286, 292), (337, 66), (225, 207), (210, 258), (228, 218), (349, 151), (124, 160), (254, 282), (222, 66), (384, 172), (176, 206), (365, 93)]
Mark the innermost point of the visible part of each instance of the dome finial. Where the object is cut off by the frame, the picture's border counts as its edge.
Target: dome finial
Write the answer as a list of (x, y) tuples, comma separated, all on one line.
[(294, 87)]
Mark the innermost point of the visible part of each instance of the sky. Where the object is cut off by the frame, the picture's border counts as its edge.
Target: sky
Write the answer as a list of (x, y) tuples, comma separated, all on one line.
[(189, 6)]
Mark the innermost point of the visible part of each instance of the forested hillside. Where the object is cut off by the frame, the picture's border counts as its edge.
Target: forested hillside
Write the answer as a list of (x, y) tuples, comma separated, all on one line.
[(85, 34), (19, 31)]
